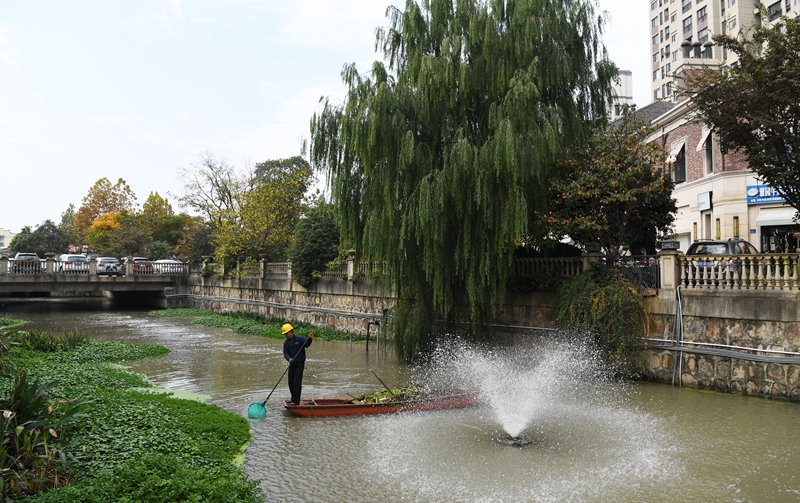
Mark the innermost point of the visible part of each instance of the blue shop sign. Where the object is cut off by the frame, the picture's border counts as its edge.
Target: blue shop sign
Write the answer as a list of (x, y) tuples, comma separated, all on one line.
[(760, 194)]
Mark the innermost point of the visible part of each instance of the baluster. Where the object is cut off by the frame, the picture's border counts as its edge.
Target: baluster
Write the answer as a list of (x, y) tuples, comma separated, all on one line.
[(770, 274), (785, 275)]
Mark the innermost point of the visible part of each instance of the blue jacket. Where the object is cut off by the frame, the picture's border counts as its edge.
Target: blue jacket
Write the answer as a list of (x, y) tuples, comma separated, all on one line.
[(293, 345)]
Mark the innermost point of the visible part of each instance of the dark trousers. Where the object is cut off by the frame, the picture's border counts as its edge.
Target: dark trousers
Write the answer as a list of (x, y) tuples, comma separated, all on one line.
[(296, 381)]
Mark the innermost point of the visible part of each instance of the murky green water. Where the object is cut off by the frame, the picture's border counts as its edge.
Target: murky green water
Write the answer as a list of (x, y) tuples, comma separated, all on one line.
[(642, 443)]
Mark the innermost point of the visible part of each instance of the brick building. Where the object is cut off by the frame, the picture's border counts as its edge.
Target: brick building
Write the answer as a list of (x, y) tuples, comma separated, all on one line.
[(718, 196)]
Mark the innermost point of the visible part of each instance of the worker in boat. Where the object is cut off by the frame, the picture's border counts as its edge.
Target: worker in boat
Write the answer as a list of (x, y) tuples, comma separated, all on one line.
[(294, 350)]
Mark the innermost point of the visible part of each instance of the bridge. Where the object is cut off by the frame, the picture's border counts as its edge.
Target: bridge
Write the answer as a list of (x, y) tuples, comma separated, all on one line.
[(50, 276)]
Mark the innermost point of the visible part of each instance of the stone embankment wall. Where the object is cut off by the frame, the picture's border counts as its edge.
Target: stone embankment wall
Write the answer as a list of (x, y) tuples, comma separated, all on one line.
[(335, 303), (338, 304), (735, 341)]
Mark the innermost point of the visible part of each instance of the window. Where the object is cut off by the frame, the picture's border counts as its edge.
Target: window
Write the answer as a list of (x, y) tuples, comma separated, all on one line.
[(687, 25), (774, 11), (702, 15), (675, 56), (655, 22), (732, 24), (669, 88), (668, 69), (654, 5), (655, 75), (679, 166), (708, 156), (703, 35), (674, 18), (731, 3), (687, 4), (657, 95), (674, 37), (655, 40), (656, 57)]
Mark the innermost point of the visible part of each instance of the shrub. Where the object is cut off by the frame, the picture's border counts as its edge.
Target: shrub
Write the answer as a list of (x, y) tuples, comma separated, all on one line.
[(32, 453), (316, 242), (604, 304)]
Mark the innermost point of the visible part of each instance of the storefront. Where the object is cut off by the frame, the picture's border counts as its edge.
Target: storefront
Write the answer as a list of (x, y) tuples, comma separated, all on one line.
[(775, 224)]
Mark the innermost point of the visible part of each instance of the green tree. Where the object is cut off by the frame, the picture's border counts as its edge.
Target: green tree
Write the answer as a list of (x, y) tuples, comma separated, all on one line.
[(436, 158), (617, 191), (754, 105), (264, 220), (46, 238), (196, 243), (155, 208), (316, 242), (22, 242), (67, 224)]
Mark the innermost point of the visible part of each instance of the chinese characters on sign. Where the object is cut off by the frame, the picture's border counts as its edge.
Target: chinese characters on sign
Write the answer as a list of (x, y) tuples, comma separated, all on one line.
[(760, 194)]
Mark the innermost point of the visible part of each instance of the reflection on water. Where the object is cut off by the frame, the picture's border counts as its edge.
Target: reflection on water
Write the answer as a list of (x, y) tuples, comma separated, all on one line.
[(642, 442)]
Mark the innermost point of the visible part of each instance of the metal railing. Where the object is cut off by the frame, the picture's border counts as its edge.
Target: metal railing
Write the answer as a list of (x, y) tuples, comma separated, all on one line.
[(335, 270), (277, 270), (643, 271)]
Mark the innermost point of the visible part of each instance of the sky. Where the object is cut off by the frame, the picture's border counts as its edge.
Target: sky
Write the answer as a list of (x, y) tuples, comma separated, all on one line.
[(139, 90)]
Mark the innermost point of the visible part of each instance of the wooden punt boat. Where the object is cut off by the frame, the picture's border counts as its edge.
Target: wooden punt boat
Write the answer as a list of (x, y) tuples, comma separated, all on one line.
[(330, 407)]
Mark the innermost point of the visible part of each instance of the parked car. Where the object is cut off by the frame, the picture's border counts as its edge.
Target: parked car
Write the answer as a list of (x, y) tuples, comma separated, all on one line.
[(141, 265), (26, 263), (109, 266), (68, 263), (168, 266), (714, 266)]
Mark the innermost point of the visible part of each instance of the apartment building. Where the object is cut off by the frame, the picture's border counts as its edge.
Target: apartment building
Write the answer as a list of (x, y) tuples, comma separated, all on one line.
[(623, 96), (718, 196)]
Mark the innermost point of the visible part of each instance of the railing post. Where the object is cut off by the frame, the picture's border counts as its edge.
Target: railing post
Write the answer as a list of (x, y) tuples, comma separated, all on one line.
[(93, 267), (351, 257), (3, 265), (51, 266), (670, 260), (129, 266)]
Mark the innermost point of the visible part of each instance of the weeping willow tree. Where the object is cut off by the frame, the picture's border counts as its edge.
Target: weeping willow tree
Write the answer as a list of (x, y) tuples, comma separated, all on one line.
[(438, 155)]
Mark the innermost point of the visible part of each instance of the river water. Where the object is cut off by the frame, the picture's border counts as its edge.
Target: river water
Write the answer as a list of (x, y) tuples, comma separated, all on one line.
[(592, 439)]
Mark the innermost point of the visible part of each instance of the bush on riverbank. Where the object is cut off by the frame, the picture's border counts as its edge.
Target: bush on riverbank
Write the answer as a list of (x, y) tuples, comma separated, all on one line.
[(602, 302), (126, 444), (254, 324)]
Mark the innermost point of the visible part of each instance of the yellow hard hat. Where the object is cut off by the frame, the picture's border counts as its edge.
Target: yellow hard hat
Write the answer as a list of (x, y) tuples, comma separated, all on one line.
[(286, 328)]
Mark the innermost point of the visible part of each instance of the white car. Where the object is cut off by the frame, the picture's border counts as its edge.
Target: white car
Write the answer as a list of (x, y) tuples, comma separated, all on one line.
[(167, 266), (108, 266), (68, 263)]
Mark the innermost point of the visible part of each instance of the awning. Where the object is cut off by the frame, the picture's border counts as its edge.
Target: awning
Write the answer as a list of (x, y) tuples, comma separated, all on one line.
[(775, 216), (703, 139), (676, 149)]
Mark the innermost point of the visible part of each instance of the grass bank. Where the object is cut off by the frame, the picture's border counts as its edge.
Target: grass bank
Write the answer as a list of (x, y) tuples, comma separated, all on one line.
[(78, 426), (253, 324)]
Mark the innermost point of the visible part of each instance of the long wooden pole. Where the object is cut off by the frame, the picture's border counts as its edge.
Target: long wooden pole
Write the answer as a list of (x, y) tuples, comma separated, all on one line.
[(384, 384)]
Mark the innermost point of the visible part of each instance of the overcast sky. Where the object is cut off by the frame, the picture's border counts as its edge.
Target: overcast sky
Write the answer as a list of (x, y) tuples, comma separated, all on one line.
[(136, 90)]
